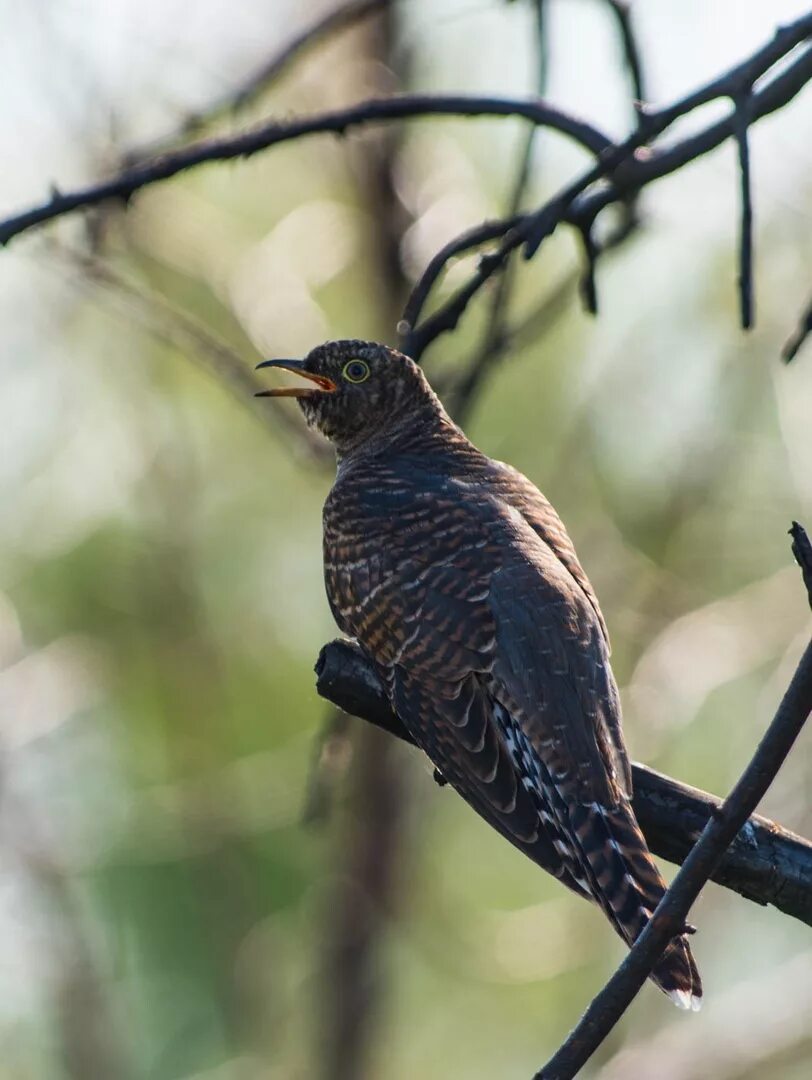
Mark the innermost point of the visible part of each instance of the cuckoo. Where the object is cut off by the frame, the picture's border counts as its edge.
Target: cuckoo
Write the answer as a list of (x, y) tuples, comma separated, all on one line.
[(458, 580)]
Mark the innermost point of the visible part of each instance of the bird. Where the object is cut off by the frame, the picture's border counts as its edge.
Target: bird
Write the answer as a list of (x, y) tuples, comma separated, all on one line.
[(459, 582)]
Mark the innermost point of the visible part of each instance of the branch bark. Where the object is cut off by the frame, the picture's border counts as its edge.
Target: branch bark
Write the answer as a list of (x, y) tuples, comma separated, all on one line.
[(798, 337), (765, 863), (402, 107)]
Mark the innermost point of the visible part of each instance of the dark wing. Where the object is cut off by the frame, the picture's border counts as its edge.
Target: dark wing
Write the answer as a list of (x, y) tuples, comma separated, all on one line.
[(552, 669), (542, 518), (463, 737), (463, 585), (540, 515), (420, 600)]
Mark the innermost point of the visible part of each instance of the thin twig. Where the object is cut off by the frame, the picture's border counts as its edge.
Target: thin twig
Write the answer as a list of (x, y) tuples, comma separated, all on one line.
[(589, 292), (460, 245), (533, 325), (632, 53), (769, 865), (793, 343), (740, 117), (326, 26), (802, 550), (400, 107), (582, 200)]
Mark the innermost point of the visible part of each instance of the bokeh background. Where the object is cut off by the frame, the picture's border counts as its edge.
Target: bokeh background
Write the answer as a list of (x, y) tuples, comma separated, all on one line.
[(203, 873)]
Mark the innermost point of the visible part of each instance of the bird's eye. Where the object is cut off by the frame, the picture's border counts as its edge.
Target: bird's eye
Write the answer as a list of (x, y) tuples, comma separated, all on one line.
[(355, 371)]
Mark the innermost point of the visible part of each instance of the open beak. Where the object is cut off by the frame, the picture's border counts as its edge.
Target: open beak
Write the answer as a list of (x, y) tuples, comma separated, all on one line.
[(324, 384)]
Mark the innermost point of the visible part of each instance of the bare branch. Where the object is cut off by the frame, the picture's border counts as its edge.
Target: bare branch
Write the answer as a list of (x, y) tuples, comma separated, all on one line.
[(582, 200), (401, 107), (621, 10), (654, 165), (793, 344), (460, 245), (740, 121), (589, 292), (671, 913), (766, 864), (802, 550)]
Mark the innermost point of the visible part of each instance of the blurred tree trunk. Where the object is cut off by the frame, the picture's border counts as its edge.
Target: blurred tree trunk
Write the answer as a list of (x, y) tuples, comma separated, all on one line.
[(369, 849)]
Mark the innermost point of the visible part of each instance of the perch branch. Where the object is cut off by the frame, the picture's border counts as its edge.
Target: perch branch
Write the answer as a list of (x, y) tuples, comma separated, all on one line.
[(723, 852), (766, 863)]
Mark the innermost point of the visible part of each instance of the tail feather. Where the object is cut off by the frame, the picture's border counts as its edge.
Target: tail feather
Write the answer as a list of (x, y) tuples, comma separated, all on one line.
[(603, 855), (628, 886)]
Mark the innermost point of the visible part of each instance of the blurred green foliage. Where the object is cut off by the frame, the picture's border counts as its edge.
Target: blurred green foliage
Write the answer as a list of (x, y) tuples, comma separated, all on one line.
[(163, 905)]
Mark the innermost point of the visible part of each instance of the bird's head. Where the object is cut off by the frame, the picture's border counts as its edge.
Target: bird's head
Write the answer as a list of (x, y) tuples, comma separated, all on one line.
[(356, 390)]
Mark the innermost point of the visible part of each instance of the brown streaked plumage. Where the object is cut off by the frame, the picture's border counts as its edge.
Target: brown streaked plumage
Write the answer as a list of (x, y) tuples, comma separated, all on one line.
[(458, 579)]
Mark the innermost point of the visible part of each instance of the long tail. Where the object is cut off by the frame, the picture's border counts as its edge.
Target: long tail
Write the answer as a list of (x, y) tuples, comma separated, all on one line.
[(627, 885)]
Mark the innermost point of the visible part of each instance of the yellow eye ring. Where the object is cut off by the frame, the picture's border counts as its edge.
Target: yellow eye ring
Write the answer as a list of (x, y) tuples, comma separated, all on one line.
[(356, 371)]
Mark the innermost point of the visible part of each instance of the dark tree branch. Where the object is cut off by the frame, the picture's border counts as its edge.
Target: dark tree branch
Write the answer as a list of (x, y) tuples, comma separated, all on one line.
[(741, 127), (531, 326), (793, 344), (765, 864), (582, 200), (632, 54), (802, 550), (460, 245), (589, 292), (655, 164), (326, 26), (402, 107), (671, 913)]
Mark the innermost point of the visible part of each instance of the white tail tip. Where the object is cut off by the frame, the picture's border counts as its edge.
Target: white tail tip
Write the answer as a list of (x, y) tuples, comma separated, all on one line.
[(685, 1000)]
